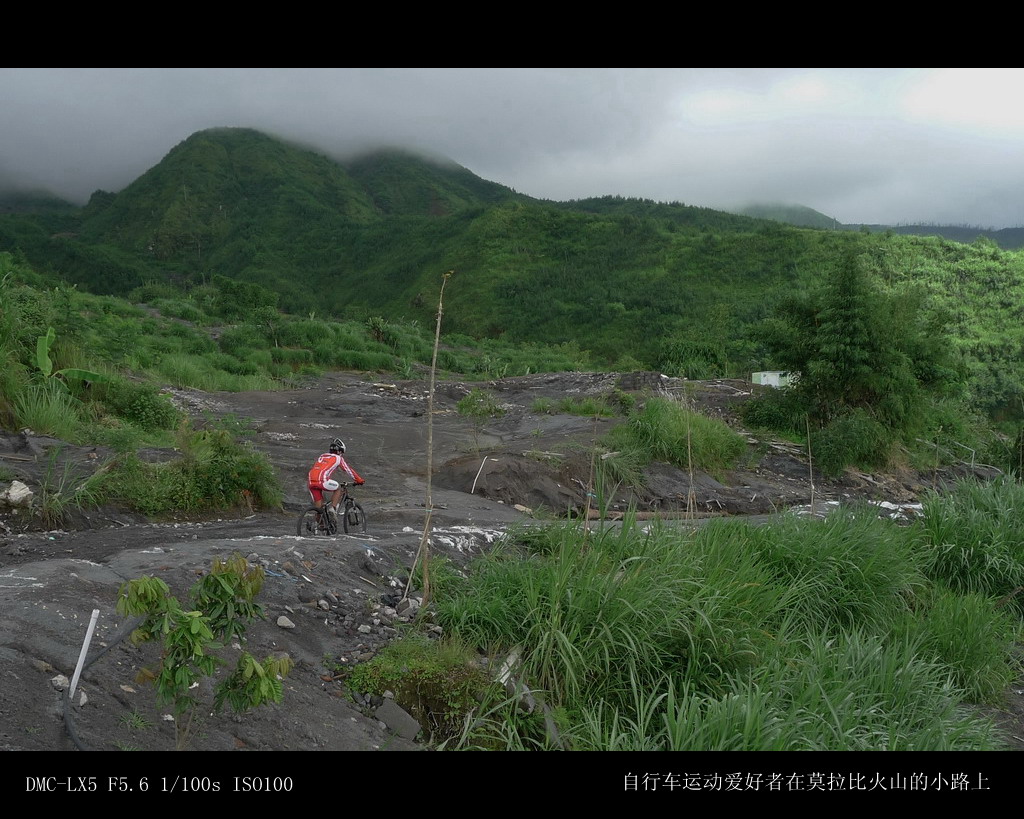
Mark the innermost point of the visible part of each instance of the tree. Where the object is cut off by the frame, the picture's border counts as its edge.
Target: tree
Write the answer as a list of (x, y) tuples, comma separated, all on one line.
[(846, 348), (868, 361)]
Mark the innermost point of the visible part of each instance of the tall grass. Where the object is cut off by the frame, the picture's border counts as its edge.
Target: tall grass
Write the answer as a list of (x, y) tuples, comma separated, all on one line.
[(972, 540), (612, 608), (805, 634), (13, 378), (209, 373), (860, 692), (588, 407), (667, 430), (854, 693), (47, 409), (973, 637), (850, 570), (64, 489)]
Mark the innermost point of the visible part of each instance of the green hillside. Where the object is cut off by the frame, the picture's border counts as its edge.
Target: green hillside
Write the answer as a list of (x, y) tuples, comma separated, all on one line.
[(631, 282), (404, 184)]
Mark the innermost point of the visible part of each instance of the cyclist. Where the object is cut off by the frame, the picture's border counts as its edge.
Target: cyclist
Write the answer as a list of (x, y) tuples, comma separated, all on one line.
[(321, 476)]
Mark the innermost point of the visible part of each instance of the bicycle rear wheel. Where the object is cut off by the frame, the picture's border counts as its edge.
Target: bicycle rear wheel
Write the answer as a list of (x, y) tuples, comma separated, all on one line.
[(354, 520), (315, 522)]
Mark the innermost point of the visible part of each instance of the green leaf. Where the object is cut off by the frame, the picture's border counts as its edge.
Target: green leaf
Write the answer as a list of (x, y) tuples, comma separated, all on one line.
[(43, 352)]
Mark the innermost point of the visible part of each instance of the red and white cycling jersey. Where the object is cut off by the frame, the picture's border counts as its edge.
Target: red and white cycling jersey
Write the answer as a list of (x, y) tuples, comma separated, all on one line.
[(325, 467)]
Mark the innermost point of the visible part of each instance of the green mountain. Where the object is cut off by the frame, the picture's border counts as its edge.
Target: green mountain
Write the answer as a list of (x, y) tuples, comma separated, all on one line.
[(371, 234), (635, 282), (244, 204)]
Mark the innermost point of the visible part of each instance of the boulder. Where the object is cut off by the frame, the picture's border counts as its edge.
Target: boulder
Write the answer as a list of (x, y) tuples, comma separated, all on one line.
[(17, 494)]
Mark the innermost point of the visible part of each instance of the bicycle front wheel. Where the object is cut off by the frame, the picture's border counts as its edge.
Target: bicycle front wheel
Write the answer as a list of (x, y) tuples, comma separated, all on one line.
[(315, 522), (354, 520)]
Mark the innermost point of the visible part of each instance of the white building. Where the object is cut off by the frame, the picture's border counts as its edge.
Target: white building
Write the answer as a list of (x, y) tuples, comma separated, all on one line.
[(774, 378)]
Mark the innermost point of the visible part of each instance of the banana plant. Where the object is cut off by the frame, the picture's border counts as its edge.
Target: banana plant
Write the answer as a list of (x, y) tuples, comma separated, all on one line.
[(45, 364)]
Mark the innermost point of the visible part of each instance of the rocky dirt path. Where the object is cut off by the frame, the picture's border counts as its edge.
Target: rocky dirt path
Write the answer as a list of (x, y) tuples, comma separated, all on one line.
[(328, 603)]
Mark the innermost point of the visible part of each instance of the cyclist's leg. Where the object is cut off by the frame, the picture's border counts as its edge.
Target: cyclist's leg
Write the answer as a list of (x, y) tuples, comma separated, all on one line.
[(334, 488)]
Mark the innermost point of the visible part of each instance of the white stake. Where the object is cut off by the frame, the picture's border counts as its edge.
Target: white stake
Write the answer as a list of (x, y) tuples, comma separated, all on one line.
[(481, 469), (85, 650)]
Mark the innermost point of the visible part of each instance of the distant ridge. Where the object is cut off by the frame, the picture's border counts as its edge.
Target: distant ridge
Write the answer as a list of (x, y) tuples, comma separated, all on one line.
[(796, 215), (801, 216), (1006, 238), (32, 201)]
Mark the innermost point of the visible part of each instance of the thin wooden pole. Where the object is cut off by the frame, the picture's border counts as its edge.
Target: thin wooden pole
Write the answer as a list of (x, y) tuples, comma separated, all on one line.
[(423, 553)]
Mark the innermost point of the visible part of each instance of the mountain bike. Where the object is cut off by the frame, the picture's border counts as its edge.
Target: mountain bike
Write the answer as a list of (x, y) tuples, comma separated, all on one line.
[(316, 521)]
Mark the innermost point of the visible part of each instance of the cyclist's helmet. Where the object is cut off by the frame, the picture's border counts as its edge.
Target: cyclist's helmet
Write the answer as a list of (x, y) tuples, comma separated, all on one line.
[(338, 446)]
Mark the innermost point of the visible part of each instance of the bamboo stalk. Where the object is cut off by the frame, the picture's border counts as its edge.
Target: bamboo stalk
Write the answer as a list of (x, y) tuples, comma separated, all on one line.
[(423, 553)]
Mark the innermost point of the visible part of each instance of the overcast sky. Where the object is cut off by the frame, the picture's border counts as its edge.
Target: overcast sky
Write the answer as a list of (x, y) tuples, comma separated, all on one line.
[(875, 145)]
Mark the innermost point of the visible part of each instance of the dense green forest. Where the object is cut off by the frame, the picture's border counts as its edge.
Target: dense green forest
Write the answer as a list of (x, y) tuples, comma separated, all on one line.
[(614, 282)]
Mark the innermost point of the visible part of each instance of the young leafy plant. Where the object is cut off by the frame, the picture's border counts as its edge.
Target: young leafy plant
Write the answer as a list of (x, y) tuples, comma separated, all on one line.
[(223, 605), (479, 406)]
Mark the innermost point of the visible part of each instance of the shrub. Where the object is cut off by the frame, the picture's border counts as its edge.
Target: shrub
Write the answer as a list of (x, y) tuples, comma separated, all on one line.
[(437, 682), (854, 439), (214, 472), (141, 405), (623, 401), (383, 332), (221, 473), (776, 409), (667, 430), (479, 404)]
